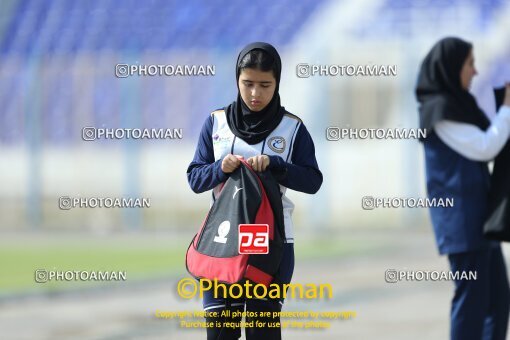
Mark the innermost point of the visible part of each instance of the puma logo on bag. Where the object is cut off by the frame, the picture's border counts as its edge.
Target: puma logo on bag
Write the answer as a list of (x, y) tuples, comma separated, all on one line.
[(237, 190)]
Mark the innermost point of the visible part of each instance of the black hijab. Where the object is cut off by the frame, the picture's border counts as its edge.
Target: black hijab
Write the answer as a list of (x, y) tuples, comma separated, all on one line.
[(251, 126), (439, 90)]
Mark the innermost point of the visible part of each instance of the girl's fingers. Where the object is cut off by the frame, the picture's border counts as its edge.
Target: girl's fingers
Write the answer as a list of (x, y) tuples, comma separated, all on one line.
[(258, 163), (233, 163)]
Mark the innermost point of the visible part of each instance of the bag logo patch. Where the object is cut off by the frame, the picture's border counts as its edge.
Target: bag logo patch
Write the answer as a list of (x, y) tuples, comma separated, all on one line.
[(223, 230), (253, 239)]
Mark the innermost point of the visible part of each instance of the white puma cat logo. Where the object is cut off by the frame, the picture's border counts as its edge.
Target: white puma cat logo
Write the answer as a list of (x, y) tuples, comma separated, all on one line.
[(237, 190)]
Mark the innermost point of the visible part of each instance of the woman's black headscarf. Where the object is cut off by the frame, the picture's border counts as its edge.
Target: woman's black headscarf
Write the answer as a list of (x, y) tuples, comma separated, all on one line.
[(251, 126), (439, 89)]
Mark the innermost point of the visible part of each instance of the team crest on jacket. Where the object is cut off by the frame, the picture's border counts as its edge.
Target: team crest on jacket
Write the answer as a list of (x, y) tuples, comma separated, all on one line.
[(277, 144)]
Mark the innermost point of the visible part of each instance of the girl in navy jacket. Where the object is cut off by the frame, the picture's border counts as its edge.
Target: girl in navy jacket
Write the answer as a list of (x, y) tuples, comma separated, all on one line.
[(257, 128)]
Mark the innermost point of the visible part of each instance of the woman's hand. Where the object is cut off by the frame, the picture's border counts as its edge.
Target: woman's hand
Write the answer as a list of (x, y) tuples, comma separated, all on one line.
[(258, 163), (230, 163), (506, 101)]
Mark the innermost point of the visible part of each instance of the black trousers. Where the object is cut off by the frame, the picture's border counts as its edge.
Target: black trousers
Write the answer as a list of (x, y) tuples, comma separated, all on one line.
[(237, 306), (480, 307), (252, 333)]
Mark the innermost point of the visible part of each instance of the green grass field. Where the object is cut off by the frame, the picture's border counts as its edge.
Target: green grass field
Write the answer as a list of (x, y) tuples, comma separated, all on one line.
[(143, 258)]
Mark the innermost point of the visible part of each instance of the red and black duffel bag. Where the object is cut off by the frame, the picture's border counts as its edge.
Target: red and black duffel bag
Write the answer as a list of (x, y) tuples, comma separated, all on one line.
[(247, 197)]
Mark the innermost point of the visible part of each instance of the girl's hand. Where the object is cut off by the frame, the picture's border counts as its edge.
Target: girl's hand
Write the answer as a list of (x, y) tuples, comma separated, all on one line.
[(230, 163), (259, 163)]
